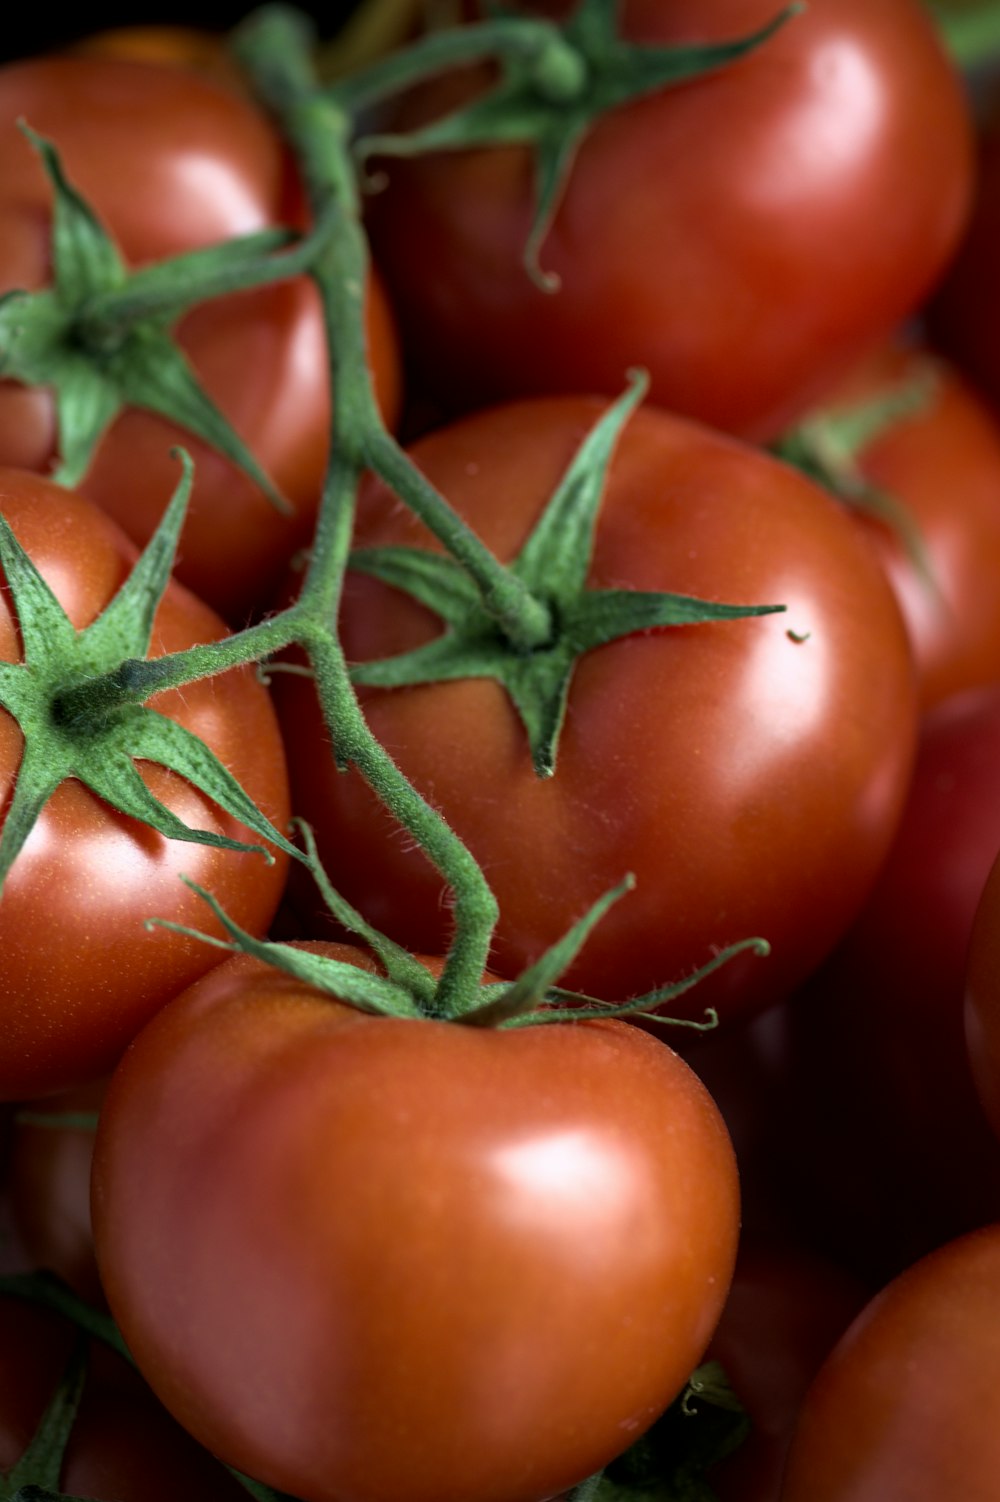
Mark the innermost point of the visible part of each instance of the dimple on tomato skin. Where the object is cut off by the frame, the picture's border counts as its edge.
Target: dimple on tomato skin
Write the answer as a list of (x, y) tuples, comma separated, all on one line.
[(371, 1259)]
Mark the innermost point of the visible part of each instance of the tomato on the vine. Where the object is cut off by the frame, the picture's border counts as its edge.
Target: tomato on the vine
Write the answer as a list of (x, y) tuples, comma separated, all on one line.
[(749, 772), (934, 518), (744, 236), (367, 1257), (172, 161), (80, 972)]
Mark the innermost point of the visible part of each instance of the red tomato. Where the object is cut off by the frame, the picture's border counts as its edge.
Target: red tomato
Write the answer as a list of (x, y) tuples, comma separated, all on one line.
[(123, 1444), (941, 463), (48, 1188), (744, 237), (964, 318), (80, 973), (366, 1259), (192, 164), (785, 1311), (749, 772), (892, 1416), (891, 1155)]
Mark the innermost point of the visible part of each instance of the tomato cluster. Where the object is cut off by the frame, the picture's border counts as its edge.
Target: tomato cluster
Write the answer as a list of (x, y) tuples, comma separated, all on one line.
[(442, 489)]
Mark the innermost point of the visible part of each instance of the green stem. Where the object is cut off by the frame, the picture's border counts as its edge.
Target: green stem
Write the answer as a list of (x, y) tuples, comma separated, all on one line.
[(319, 133), (510, 37), (971, 36), (274, 54), (524, 619), (134, 680)]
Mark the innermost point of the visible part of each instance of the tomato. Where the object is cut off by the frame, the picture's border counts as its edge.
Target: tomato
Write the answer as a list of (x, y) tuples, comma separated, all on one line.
[(889, 1417), (180, 46), (891, 1154), (963, 317), (122, 1444), (744, 237), (785, 1311), (941, 464), (48, 1187), (80, 972), (749, 772), (129, 133), (366, 1258)]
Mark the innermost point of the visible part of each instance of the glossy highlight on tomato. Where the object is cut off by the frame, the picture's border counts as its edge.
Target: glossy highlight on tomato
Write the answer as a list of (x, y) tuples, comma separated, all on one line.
[(364, 1257), (172, 161), (748, 772), (745, 236)]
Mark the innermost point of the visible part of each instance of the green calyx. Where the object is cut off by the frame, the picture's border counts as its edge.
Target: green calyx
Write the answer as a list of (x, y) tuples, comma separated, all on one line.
[(673, 1460), (101, 337), (829, 448), (553, 566), (407, 990), (75, 698), (555, 84)]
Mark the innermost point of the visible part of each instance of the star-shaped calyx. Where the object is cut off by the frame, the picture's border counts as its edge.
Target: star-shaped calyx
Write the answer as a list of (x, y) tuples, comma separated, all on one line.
[(549, 96), (553, 563), (77, 697), (101, 337)]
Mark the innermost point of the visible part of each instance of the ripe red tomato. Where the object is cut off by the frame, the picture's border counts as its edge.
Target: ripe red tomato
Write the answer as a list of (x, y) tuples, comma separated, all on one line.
[(122, 1444), (891, 1154), (786, 1309), (80, 973), (891, 1416), (963, 315), (745, 236), (129, 134), (941, 463), (48, 1187), (365, 1258), (749, 772)]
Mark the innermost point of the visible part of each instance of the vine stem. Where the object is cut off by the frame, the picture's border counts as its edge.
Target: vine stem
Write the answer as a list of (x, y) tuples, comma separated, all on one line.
[(272, 48)]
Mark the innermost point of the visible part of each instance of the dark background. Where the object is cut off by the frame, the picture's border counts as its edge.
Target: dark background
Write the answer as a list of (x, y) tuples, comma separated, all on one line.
[(28, 29)]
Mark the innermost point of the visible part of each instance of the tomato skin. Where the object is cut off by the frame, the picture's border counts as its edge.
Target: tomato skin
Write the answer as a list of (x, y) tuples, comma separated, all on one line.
[(488, 1259), (744, 237), (261, 354), (963, 317), (169, 160), (891, 1154), (891, 1415), (48, 1189), (749, 773), (123, 1444), (942, 463), (81, 974)]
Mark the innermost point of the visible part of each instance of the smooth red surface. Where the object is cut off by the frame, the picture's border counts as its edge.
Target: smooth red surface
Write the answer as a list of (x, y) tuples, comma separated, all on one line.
[(80, 972), (123, 1444), (744, 236), (941, 465), (900, 1410), (171, 161), (749, 773), (365, 1258)]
